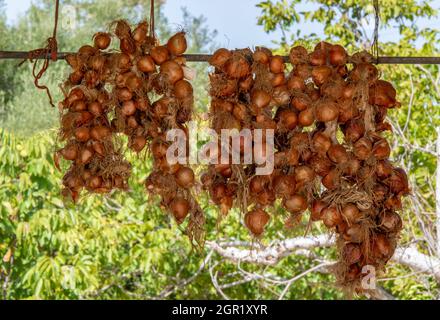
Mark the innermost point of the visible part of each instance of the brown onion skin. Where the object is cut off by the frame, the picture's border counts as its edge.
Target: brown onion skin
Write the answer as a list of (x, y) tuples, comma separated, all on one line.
[(220, 57), (237, 67), (362, 148), (183, 89), (185, 177), (321, 143), (331, 217), (172, 70), (180, 207), (177, 44), (146, 64), (277, 64), (296, 203), (160, 54), (316, 212), (256, 221), (351, 253)]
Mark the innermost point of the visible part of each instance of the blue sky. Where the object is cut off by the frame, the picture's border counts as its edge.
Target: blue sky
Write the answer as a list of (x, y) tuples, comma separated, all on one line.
[(235, 20)]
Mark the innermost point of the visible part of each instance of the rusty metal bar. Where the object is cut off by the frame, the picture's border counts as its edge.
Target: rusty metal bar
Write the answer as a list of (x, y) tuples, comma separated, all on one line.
[(205, 57)]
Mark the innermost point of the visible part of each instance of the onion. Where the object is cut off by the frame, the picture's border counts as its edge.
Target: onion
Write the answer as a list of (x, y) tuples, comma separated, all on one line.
[(73, 61), (321, 143), (95, 182), (261, 56), (301, 102), (332, 180), (220, 57), (138, 143), (321, 74), (351, 213), (260, 98), (237, 67), (86, 155), (287, 119), (351, 253), (391, 222), (146, 64), (348, 91), (331, 217), (296, 83), (364, 72), (304, 174), (132, 122), (183, 89), (95, 108), (180, 208), (100, 133), (258, 184), (79, 105), (316, 212), (337, 154), (382, 245), (278, 79), (123, 61), (218, 191), (284, 185), (398, 181), (142, 103), (128, 108), (87, 51), (380, 192), (177, 44), (354, 130), (124, 94), (303, 71), (280, 96), (337, 55), (383, 94), (133, 82), (381, 149), (159, 149), (326, 111), (298, 55), (306, 117), (98, 147), (384, 169), (185, 177), (76, 77), (276, 64), (351, 167), (256, 220), (317, 58), (246, 84), (321, 165), (140, 33), (127, 45), (160, 54), (69, 152), (172, 71), (82, 134), (98, 62), (362, 148), (354, 233)]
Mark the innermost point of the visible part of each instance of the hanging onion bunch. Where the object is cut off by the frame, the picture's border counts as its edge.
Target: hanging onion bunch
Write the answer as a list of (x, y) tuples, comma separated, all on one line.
[(250, 91), (97, 165), (362, 189), (168, 79)]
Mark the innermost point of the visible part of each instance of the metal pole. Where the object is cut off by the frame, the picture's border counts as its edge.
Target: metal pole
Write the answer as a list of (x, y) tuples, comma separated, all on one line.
[(205, 57)]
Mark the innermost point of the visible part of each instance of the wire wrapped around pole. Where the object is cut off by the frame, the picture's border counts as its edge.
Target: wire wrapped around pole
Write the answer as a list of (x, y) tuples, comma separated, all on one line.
[(50, 52)]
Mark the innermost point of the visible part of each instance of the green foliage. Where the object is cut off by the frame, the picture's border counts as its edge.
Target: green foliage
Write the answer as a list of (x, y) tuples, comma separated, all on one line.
[(123, 246)]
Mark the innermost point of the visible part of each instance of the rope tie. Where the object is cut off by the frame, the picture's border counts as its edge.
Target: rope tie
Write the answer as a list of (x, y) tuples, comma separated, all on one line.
[(49, 53), (152, 29), (375, 45)]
